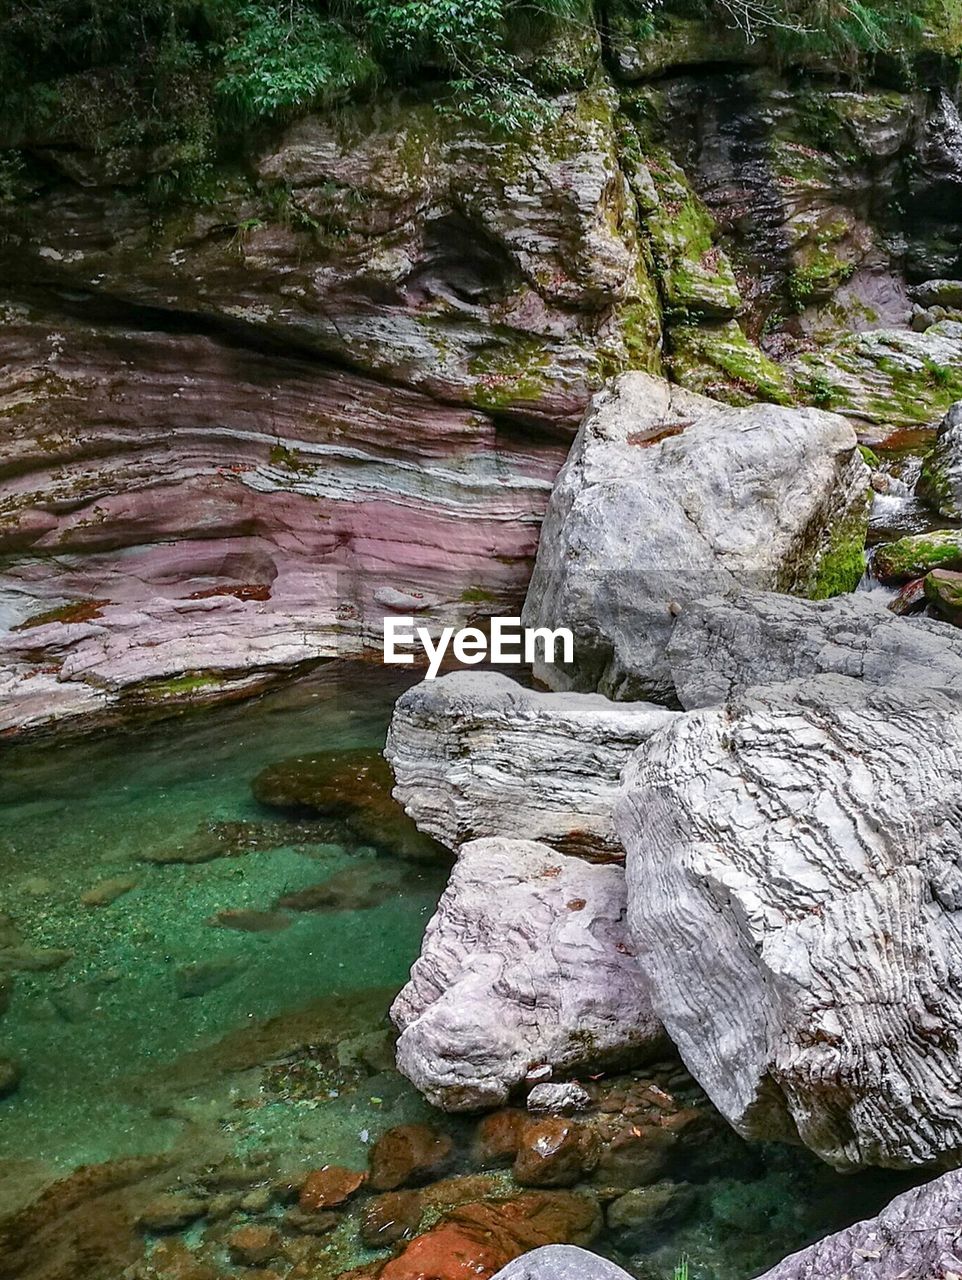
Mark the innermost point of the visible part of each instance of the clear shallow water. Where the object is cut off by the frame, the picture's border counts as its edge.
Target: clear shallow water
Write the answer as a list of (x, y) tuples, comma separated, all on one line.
[(288, 1060), (75, 814)]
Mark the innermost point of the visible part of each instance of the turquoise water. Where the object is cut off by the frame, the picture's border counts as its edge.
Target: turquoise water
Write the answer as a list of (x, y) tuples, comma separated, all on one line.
[(283, 1053), (73, 815)]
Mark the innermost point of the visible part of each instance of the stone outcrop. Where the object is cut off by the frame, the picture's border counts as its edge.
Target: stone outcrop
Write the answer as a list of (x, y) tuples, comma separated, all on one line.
[(918, 1234), (721, 646), (666, 496), (525, 963), (793, 891), (476, 754), (561, 1262), (940, 483)]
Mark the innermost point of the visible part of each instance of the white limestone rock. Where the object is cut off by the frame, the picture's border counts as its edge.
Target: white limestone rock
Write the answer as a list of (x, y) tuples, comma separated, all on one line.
[(917, 1236), (794, 896), (723, 645), (667, 496), (476, 754), (561, 1262), (524, 962)]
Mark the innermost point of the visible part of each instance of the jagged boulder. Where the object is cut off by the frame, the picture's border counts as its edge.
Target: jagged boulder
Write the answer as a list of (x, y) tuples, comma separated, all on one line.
[(561, 1262), (525, 962), (794, 891), (667, 496), (724, 645), (918, 1235), (940, 483), (477, 754)]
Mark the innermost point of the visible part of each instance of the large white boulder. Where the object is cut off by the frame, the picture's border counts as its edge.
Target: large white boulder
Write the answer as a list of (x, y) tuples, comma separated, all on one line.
[(725, 644), (667, 496), (795, 895), (525, 963), (477, 754)]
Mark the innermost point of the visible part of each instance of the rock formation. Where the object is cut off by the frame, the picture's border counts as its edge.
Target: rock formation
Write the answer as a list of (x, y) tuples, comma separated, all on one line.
[(918, 1234), (941, 481), (667, 496), (722, 645), (477, 754), (793, 887), (561, 1262), (524, 964)]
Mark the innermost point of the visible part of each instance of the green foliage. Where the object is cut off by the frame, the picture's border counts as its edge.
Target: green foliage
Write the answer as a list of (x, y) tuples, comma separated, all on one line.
[(277, 63)]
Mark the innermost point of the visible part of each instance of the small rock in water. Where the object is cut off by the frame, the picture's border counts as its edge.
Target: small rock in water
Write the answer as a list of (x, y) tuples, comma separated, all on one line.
[(108, 891), (499, 1136), (36, 886), (9, 933), (10, 1075), (33, 959), (353, 889), (558, 1097), (551, 1154), (171, 1211), (943, 589), (251, 921), (391, 1217), (198, 979), (330, 1186), (311, 1224), (6, 992), (650, 1206), (409, 1153), (253, 1245)]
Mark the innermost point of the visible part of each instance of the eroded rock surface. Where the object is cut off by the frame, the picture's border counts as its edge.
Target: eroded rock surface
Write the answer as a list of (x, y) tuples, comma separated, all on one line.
[(723, 645), (525, 962), (793, 892), (941, 481), (918, 1234), (476, 754), (667, 496)]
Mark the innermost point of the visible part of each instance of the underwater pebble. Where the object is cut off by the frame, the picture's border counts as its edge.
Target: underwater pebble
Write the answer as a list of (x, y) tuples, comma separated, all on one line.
[(10, 1076), (108, 891), (558, 1097), (171, 1211), (253, 1246)]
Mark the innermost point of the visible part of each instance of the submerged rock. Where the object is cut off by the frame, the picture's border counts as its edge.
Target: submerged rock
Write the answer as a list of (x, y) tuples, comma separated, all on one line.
[(793, 891), (667, 496), (917, 1235), (723, 645), (940, 483), (325, 1188), (108, 891), (204, 976), (476, 754), (521, 927), (353, 785), (408, 1153), (10, 1075), (358, 888)]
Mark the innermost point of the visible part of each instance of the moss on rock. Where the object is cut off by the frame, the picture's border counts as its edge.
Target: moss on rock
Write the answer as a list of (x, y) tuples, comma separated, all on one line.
[(914, 556), (721, 362)]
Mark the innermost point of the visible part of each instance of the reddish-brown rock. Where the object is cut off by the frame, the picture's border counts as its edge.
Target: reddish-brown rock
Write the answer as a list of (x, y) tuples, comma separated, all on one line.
[(253, 1245), (388, 1218), (406, 1154), (498, 1136), (550, 1153)]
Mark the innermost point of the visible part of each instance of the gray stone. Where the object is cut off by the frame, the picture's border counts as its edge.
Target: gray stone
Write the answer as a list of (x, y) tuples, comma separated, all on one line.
[(525, 961), (794, 892), (939, 293), (477, 754), (561, 1262), (667, 496), (567, 1096), (918, 1235), (940, 483), (723, 645)]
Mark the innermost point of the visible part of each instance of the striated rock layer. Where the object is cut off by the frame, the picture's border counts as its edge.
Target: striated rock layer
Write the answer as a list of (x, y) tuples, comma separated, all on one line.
[(794, 895), (525, 963), (667, 496), (723, 645), (476, 754), (918, 1235)]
